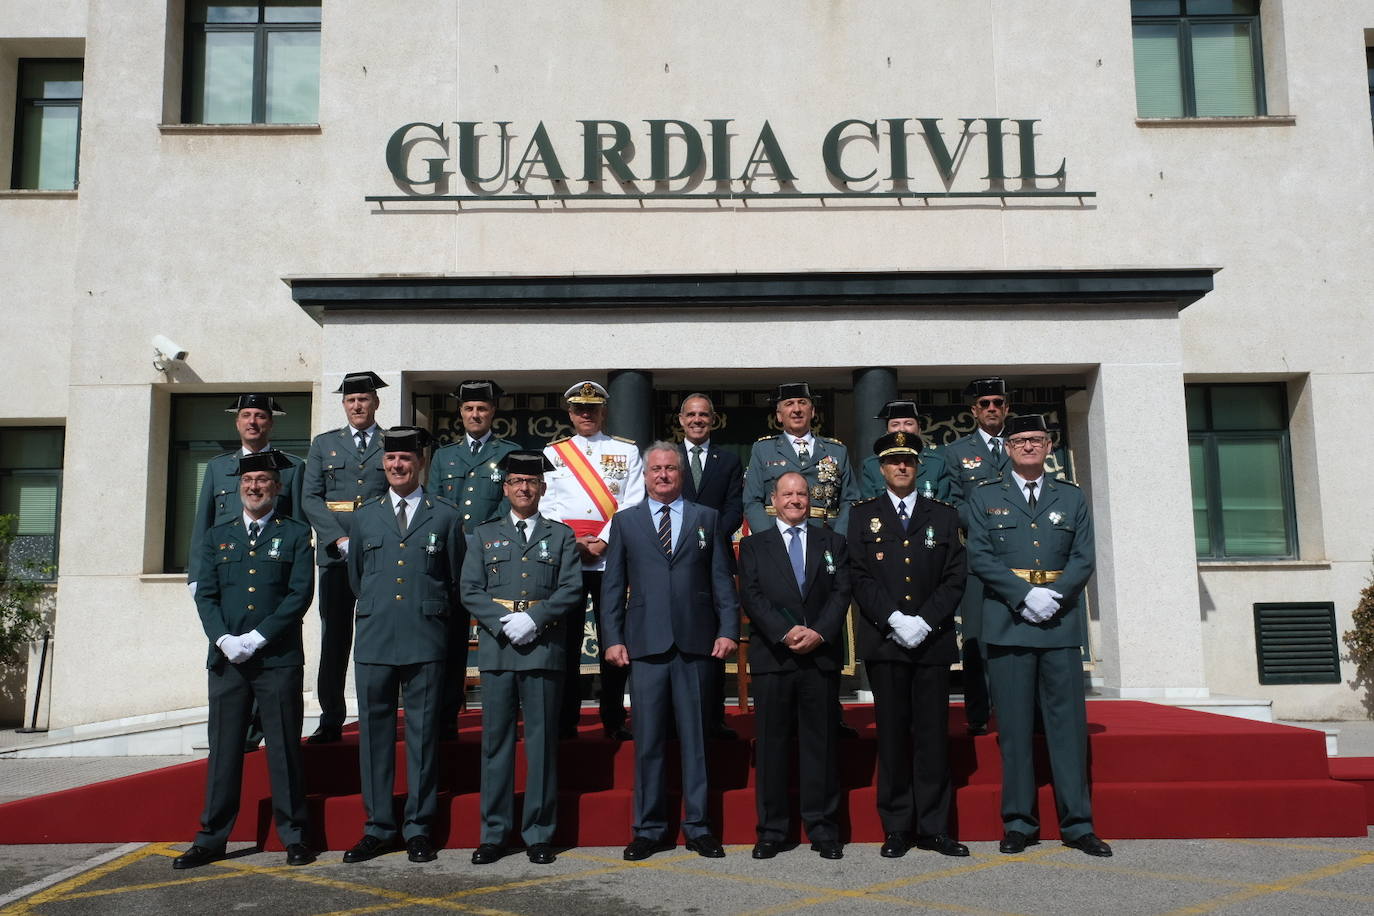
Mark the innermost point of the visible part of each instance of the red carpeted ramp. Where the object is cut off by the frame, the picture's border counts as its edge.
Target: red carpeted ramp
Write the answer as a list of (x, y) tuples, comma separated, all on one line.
[(1157, 771)]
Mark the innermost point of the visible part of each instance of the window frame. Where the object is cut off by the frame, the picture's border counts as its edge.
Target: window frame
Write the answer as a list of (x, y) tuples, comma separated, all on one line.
[(1185, 21), (260, 31), (20, 106), (1209, 438), (8, 472)]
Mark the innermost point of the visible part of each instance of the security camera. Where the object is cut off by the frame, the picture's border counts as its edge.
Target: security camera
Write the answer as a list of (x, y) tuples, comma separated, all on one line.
[(166, 348)]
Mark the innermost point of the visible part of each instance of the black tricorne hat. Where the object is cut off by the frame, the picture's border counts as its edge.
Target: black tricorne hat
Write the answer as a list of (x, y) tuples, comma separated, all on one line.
[(258, 401), (898, 410), (478, 389), (525, 462), (984, 386), (268, 459), (360, 383), (789, 390), (405, 439)]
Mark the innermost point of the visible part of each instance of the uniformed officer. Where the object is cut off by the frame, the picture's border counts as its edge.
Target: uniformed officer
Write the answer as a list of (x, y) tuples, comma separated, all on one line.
[(908, 566), (254, 589), (933, 481), (1031, 545), (594, 476), (521, 580), (823, 462), (219, 499), (343, 468), (467, 474), (977, 457), (404, 561)]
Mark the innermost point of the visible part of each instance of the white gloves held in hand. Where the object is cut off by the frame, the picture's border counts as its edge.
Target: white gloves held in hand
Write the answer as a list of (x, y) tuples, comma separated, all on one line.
[(1040, 604), (519, 627), (238, 649), (908, 630)]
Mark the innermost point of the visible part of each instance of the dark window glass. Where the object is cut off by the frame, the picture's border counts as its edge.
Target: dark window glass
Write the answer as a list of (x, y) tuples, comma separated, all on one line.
[(48, 125), (1198, 59), (31, 490), (252, 63), (1242, 473)]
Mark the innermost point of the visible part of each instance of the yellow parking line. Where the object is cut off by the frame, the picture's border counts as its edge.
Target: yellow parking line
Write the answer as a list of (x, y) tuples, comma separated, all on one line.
[(58, 891), (1277, 887), (1303, 847)]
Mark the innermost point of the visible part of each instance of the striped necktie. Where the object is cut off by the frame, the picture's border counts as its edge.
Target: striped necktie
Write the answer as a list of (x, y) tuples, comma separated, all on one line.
[(665, 530)]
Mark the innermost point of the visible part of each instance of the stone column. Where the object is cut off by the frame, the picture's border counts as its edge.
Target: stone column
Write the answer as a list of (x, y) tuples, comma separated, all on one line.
[(873, 387), (630, 412)]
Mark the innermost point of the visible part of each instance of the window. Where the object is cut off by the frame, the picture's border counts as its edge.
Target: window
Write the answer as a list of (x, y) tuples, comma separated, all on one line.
[(1197, 58), (1242, 471), (201, 429), (252, 63), (47, 125), (31, 489)]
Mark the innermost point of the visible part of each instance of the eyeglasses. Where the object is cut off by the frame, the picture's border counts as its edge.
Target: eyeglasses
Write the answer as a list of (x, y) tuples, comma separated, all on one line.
[(523, 481), (1029, 442), (990, 402)]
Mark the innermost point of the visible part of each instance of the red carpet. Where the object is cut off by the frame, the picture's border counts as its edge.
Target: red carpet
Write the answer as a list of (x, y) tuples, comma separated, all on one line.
[(1157, 771)]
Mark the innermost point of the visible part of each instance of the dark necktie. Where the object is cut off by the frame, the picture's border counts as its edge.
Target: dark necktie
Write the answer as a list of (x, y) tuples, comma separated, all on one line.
[(901, 513), (520, 526), (476, 447), (665, 530), (995, 443), (696, 467), (1030, 494), (254, 529), (795, 554), (803, 453), (401, 517), (362, 441)]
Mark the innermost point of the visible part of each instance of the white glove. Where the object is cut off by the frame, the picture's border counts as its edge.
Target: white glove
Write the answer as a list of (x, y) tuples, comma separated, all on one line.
[(253, 641), (1042, 604), (519, 627), (192, 587), (343, 548), (233, 649), (909, 631)]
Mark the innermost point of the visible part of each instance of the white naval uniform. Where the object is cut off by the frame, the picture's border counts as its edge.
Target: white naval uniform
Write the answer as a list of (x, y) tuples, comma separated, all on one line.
[(620, 466)]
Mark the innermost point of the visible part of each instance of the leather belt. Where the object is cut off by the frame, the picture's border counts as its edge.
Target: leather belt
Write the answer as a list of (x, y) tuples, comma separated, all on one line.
[(521, 604), (816, 512), (340, 505), (1038, 576)]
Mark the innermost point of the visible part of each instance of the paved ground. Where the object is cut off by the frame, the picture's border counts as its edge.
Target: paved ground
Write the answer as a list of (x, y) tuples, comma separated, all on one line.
[(1145, 877)]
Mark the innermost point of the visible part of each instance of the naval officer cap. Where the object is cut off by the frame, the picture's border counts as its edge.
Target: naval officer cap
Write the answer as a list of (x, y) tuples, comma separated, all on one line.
[(360, 383), (898, 444), (525, 462), (268, 459), (256, 401), (405, 439), (586, 393), (898, 410), (788, 390), (478, 389), (980, 387), (1024, 423)]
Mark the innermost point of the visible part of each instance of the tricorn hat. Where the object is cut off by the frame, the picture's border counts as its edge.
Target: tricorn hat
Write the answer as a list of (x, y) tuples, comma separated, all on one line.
[(266, 460), (258, 401), (984, 386), (525, 462), (360, 383), (898, 410), (478, 389), (789, 390), (405, 439)]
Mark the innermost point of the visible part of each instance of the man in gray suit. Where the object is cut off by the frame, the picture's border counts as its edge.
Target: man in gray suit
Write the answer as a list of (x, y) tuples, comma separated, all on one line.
[(681, 612), (405, 555), (521, 580)]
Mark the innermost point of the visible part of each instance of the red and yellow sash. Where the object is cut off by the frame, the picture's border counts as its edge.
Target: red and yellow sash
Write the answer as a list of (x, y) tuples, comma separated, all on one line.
[(587, 477)]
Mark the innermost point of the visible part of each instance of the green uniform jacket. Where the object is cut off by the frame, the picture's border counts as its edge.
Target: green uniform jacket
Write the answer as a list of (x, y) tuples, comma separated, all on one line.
[(933, 481), (970, 462), (267, 588), (334, 472), (832, 483), (220, 501), (471, 482), (546, 571), (407, 587), (1004, 533)]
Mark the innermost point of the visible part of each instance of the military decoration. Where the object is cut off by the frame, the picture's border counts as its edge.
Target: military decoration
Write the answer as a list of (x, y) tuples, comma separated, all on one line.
[(701, 538), (1056, 517), (973, 463), (274, 549), (930, 537), (544, 549), (827, 470), (927, 490), (875, 525), (433, 546), (998, 510), (829, 563)]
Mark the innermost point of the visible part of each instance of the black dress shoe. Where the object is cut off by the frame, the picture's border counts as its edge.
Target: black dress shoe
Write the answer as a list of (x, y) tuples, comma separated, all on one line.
[(828, 849), (895, 846), (977, 728), (251, 744), (1015, 842), (541, 854), (325, 735), (706, 846), (765, 849), (420, 849), (299, 854), (487, 853), (619, 733), (642, 847), (1091, 844), (369, 847), (942, 843), (196, 856), (847, 731)]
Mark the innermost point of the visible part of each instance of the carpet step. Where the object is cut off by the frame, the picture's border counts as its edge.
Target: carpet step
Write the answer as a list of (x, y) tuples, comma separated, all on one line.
[(1358, 771)]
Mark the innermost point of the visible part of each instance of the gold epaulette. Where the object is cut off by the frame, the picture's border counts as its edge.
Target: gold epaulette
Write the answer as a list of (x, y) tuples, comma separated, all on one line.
[(556, 441), (1067, 481), (985, 482), (862, 502), (940, 501), (766, 438), (626, 441), (831, 441)]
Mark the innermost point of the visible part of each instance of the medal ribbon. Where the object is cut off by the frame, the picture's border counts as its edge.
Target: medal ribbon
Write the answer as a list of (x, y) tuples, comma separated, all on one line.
[(587, 478)]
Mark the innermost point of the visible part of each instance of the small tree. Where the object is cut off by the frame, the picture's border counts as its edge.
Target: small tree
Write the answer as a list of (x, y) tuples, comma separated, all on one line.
[(21, 593), (1360, 642)]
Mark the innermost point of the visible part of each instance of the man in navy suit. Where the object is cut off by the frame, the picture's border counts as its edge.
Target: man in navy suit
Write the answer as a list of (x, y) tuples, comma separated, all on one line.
[(794, 583), (681, 615), (714, 477)]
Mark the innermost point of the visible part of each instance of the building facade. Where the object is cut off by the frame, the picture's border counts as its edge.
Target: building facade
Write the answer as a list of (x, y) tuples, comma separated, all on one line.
[(1152, 218)]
